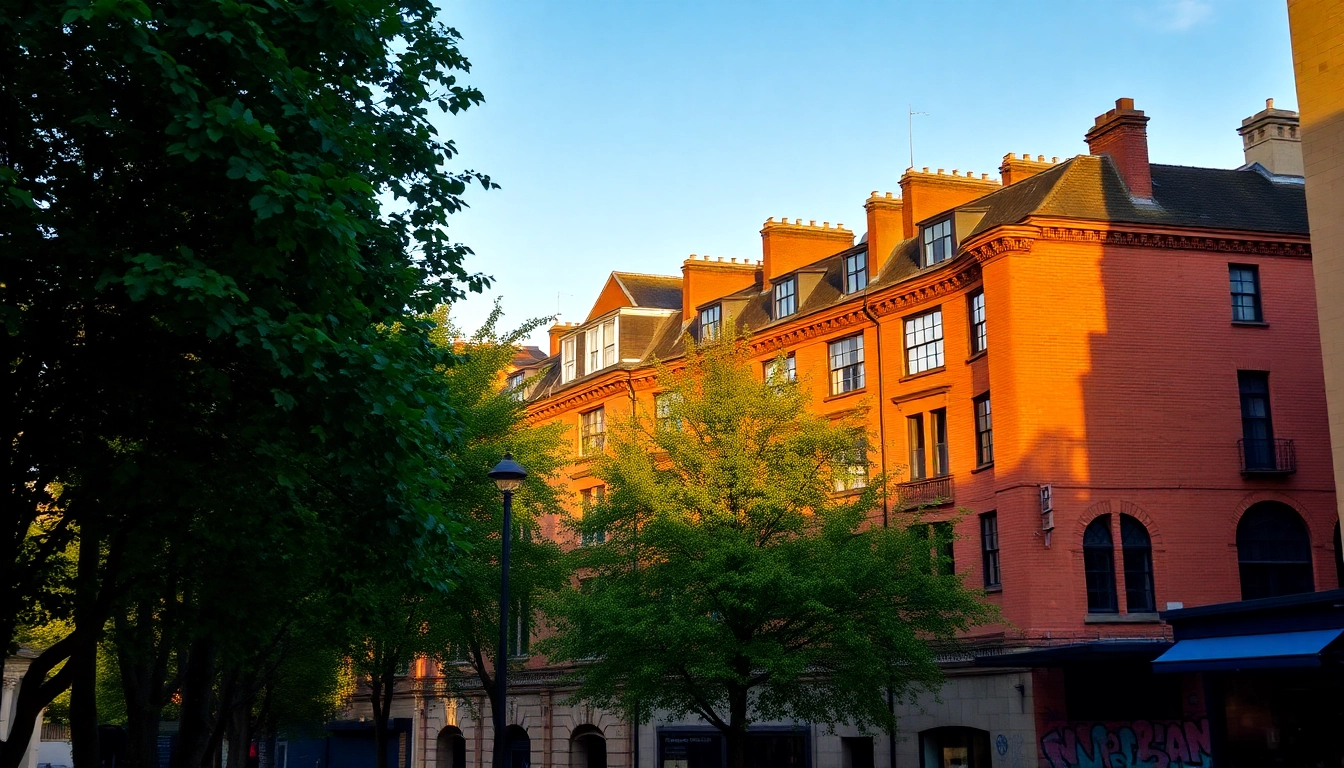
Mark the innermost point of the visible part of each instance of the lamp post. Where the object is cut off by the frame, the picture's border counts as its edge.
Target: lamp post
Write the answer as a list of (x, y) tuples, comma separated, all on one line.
[(508, 476)]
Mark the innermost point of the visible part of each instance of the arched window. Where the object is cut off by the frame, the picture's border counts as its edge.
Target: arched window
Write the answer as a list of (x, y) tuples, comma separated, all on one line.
[(519, 747), (1274, 552), (1137, 550), (587, 748), (451, 748), (1099, 566)]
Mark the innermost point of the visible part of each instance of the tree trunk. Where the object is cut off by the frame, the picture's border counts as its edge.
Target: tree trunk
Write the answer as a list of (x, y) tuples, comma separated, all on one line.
[(736, 735), (84, 661), (142, 655), (380, 696), (34, 694), (194, 731)]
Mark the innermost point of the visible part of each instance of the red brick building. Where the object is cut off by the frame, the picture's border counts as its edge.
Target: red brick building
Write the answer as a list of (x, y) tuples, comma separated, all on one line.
[(1110, 366)]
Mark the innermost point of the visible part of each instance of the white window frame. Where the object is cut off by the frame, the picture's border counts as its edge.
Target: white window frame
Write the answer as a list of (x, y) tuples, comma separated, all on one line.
[(592, 431), (856, 271), (600, 344), (786, 297), (937, 234), (790, 372), (569, 359), (924, 342), (711, 329), (845, 356)]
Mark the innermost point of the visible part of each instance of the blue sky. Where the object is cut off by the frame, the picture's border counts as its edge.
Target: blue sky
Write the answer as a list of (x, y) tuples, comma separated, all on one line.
[(628, 135)]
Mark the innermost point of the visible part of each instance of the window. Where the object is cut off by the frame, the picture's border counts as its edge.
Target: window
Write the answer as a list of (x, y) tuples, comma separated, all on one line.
[(782, 369), (1257, 429), (711, 322), (856, 272), (590, 497), (938, 242), (569, 359), (594, 432), (976, 303), (851, 467), (1273, 552), (914, 430), (989, 548), (984, 431), (1245, 280), (846, 365), (786, 298), (662, 410), (600, 342), (943, 537), (514, 385), (938, 429), (924, 342), (519, 635), (1099, 566), (1137, 550)]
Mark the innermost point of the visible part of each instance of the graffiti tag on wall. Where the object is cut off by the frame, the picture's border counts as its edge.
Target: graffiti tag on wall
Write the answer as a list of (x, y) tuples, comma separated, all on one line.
[(1130, 745)]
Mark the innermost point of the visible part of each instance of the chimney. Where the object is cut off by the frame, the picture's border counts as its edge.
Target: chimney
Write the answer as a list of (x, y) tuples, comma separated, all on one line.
[(555, 332), (1122, 133), (704, 279), (886, 229), (1014, 169), (1273, 138), (928, 194), (786, 247)]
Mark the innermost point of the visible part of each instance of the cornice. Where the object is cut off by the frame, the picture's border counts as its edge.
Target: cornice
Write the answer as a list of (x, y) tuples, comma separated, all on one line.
[(1283, 245)]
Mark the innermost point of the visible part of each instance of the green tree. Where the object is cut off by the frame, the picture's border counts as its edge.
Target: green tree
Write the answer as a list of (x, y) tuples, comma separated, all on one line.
[(222, 224), (733, 584)]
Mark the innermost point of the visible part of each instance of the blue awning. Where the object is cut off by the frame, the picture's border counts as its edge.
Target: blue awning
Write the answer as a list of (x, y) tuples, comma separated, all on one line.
[(1211, 654)]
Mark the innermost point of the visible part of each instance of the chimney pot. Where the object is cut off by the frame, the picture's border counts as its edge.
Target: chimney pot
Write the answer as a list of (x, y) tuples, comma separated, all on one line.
[(1269, 103), (1122, 134)]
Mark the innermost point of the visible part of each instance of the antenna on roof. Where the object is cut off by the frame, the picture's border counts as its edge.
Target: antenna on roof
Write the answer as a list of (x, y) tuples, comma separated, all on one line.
[(911, 119)]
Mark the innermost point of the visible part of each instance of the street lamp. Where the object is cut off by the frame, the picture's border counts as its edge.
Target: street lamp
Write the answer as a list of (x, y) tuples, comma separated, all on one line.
[(508, 476)]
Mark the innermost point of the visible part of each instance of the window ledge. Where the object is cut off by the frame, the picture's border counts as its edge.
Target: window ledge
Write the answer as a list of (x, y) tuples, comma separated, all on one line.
[(982, 468), (1251, 323), (977, 356), (994, 590), (843, 395), (922, 374), (1122, 618)]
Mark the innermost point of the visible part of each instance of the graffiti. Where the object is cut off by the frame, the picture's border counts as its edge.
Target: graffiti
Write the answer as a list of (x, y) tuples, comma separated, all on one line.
[(1130, 745), (1001, 744)]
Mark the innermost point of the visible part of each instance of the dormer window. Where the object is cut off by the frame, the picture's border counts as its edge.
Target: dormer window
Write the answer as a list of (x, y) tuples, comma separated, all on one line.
[(938, 242), (786, 298), (514, 385), (600, 343), (711, 322), (856, 272), (569, 359)]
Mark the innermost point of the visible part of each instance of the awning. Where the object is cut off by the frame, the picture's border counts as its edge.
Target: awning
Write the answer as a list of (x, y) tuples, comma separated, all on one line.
[(1276, 651)]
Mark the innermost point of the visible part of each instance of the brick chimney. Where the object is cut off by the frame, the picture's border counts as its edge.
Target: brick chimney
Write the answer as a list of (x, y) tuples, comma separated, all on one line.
[(1273, 138), (555, 332), (1014, 169), (886, 228), (786, 247), (1122, 133), (704, 279), (928, 194)]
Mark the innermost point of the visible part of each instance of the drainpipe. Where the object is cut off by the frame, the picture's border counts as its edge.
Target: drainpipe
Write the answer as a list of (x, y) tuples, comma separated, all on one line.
[(881, 414), (634, 741)]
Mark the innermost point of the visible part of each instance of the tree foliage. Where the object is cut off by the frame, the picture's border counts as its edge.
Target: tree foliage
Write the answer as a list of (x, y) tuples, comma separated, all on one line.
[(734, 584), (222, 230)]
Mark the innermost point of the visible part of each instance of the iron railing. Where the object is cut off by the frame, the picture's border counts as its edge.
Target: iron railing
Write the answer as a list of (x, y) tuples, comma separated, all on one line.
[(1267, 456), (933, 492)]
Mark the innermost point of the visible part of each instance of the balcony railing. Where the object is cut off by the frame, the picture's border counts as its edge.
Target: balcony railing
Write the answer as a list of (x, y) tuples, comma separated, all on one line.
[(1264, 456), (933, 492)]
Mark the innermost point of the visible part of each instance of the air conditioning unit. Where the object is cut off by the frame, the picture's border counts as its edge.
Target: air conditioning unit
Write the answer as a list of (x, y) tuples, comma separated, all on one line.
[(1047, 508)]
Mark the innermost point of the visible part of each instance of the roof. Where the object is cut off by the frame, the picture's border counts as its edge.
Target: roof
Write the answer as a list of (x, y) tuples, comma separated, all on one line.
[(656, 291)]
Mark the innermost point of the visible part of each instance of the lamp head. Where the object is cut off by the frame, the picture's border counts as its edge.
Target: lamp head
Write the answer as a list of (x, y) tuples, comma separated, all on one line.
[(508, 474)]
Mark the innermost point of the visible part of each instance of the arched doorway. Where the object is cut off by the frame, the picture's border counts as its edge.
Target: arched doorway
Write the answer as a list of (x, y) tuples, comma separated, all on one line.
[(519, 747), (954, 747), (587, 748), (1273, 552), (451, 748)]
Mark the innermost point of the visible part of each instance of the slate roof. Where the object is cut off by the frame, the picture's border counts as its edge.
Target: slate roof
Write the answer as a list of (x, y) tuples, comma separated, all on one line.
[(656, 291)]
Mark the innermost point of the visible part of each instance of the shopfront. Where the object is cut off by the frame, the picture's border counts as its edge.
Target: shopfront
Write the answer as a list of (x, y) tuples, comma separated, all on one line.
[(706, 748)]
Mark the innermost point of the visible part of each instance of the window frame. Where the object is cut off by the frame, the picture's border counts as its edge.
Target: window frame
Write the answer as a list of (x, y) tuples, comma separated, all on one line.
[(710, 331), (1099, 568), (919, 354), (601, 345), (854, 475), (942, 461), (941, 232), (1275, 567), (588, 497), (662, 403), (990, 560), (1255, 304), (769, 368), (848, 377), (593, 441), (1136, 561), (1258, 449), (979, 336), (914, 436), (569, 358), (984, 430), (790, 296), (856, 271)]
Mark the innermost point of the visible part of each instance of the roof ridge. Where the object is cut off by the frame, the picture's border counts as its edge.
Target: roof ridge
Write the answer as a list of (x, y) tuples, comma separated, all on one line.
[(646, 274)]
